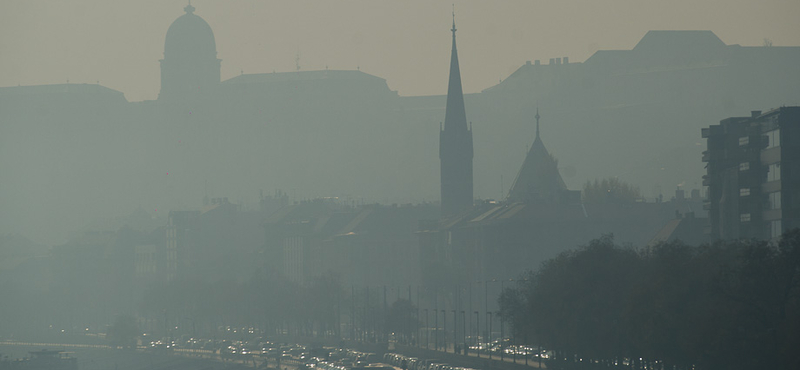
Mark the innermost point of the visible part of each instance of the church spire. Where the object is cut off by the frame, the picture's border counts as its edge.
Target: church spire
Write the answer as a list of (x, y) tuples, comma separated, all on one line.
[(455, 144), (537, 123), (455, 115), (454, 21)]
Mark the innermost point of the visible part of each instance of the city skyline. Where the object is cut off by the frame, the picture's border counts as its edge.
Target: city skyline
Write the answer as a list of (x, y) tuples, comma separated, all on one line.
[(393, 40)]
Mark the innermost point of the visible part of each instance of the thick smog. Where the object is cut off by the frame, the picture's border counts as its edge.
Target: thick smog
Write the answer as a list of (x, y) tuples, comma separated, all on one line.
[(399, 185)]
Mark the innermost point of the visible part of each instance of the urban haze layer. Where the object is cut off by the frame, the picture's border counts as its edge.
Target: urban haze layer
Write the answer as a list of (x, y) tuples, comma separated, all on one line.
[(636, 209)]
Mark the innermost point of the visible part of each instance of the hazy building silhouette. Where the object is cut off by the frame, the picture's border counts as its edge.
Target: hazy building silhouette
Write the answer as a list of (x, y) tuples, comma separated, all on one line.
[(539, 180), (294, 236), (753, 174), (539, 219), (686, 228), (220, 241), (178, 243), (455, 145), (69, 150), (363, 245), (190, 66)]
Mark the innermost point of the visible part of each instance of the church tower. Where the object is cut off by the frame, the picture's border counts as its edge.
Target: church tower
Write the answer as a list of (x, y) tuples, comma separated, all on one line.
[(455, 145), (190, 67), (538, 180)]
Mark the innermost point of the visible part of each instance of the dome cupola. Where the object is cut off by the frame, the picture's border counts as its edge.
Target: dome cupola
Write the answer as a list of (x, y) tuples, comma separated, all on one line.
[(190, 65)]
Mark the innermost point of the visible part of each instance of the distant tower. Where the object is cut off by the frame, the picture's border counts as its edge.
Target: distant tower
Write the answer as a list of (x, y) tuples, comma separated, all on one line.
[(190, 66), (455, 145), (538, 180)]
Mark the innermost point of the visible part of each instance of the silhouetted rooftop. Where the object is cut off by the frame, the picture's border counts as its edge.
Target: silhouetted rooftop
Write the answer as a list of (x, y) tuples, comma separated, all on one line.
[(538, 178), (59, 89), (678, 40), (302, 76)]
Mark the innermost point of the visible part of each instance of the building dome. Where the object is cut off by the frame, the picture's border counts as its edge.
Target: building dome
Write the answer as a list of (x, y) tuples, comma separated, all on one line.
[(190, 36), (190, 68)]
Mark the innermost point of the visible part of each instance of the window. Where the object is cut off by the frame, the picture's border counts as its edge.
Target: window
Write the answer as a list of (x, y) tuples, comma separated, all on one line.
[(775, 228), (744, 217), (744, 140), (775, 200), (773, 138), (774, 172), (743, 192), (744, 166)]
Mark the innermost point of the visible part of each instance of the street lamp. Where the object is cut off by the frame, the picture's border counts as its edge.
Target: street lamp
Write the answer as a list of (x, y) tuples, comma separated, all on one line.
[(502, 324), (418, 324), (464, 331), (444, 329), (488, 324), (489, 340), (477, 329), (436, 333), (427, 330), (455, 330)]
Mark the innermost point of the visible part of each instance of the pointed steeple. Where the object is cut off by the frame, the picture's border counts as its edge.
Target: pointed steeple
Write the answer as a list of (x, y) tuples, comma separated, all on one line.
[(455, 144), (538, 179), (455, 116)]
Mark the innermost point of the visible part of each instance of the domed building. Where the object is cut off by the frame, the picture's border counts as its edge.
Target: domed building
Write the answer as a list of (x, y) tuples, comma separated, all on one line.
[(190, 66)]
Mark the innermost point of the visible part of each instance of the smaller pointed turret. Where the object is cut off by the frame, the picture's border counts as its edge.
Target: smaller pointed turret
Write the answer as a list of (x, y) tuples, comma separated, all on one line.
[(538, 179)]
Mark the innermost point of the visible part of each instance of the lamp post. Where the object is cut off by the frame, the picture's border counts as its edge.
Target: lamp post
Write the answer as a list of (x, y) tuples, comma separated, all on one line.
[(477, 329), (489, 340), (486, 302), (427, 330), (444, 329), (502, 324), (418, 322), (470, 310), (464, 331), (455, 330), (436, 332), (488, 324)]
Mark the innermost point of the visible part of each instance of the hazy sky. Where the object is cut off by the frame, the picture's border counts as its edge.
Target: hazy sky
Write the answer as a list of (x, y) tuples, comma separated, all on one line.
[(119, 43)]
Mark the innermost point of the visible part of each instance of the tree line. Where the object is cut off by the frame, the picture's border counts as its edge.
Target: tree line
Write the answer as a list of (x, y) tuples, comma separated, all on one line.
[(723, 305)]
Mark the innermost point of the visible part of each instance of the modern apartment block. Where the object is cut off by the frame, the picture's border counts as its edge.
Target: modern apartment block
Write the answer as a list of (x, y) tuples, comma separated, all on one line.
[(753, 174)]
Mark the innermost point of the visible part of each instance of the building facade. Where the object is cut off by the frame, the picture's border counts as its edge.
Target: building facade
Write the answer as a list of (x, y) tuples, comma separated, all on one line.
[(753, 174)]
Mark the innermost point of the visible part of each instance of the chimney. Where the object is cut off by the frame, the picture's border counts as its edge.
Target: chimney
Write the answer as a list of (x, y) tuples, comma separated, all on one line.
[(527, 63), (536, 62), (552, 61), (558, 60), (566, 60)]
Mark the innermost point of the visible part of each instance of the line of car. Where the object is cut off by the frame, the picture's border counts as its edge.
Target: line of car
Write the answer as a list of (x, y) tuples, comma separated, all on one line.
[(413, 363)]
